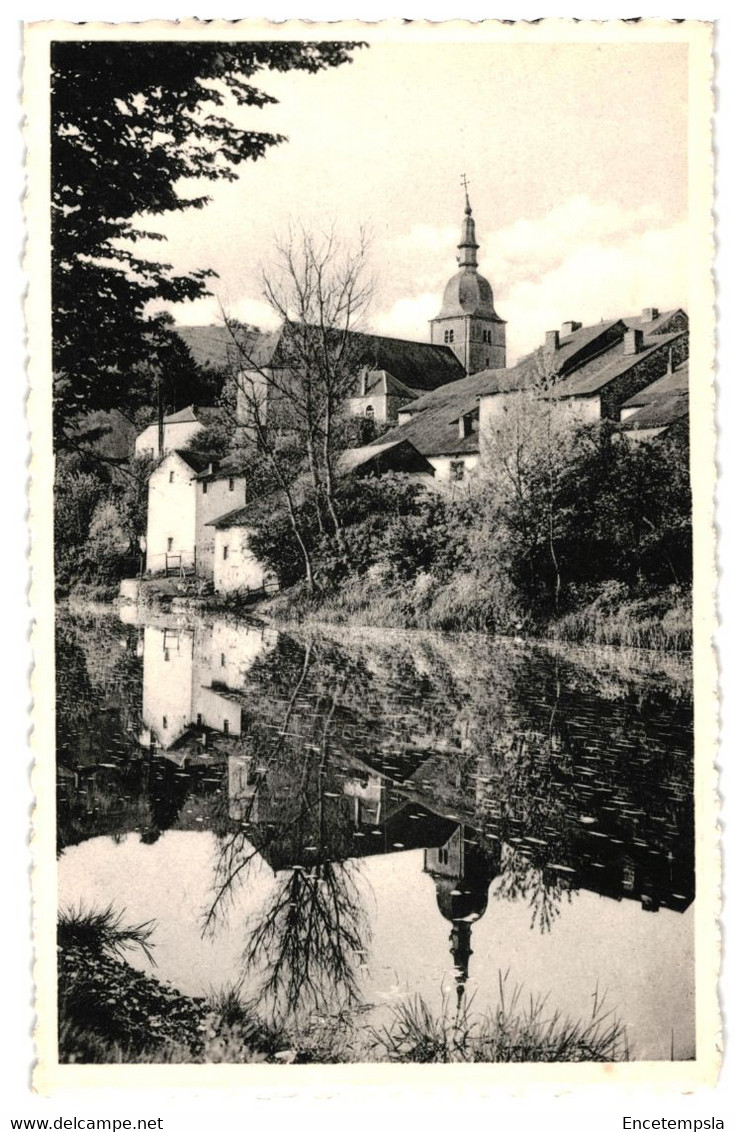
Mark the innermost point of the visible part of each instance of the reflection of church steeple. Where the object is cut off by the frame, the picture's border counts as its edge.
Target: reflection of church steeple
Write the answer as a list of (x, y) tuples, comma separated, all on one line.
[(459, 945), (462, 873)]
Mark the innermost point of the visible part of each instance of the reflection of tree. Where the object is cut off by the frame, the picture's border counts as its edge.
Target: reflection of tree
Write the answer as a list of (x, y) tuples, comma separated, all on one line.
[(522, 880), (312, 929), (236, 851), (310, 936)]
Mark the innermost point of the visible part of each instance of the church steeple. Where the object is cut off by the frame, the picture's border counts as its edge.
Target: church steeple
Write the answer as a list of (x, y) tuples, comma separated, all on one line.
[(468, 245), (467, 321)]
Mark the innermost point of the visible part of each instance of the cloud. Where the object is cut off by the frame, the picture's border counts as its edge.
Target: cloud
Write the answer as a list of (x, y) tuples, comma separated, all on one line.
[(585, 260), (407, 318)]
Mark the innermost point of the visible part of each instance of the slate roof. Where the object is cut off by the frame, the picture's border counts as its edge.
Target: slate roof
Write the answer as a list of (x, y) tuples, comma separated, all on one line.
[(676, 382), (354, 458), (661, 413), (201, 414), (221, 469), (197, 461), (418, 365), (238, 517), (656, 325), (433, 429), (378, 382), (587, 360)]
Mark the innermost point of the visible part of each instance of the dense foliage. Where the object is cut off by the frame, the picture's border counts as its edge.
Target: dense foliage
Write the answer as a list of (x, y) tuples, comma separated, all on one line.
[(130, 122), (611, 524), (99, 518)]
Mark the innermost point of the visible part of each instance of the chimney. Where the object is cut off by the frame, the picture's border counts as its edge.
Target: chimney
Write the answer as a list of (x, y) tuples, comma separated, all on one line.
[(633, 342), (552, 341), (648, 314), (569, 328)]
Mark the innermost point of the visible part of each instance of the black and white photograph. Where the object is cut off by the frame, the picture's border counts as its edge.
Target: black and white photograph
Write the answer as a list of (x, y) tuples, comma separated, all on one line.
[(375, 435)]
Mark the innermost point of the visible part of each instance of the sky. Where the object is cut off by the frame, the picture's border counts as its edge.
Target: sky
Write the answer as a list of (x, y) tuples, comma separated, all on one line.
[(576, 156)]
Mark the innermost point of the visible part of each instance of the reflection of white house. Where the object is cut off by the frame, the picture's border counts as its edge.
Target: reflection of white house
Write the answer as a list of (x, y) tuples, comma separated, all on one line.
[(185, 492), (179, 429), (168, 673), (194, 678)]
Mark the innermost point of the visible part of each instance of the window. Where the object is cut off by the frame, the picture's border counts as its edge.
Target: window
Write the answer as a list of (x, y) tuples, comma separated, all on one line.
[(204, 487), (370, 412), (165, 722), (226, 726), (199, 719), (456, 470), (170, 477), (166, 654), (225, 552), (169, 544), (448, 335), (222, 660), (232, 484)]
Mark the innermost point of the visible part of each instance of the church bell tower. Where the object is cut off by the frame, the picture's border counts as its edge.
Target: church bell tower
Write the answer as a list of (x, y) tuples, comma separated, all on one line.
[(467, 321)]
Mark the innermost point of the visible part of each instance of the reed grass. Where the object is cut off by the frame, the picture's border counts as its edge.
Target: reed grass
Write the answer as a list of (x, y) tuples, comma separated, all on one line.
[(514, 1031), (103, 930)]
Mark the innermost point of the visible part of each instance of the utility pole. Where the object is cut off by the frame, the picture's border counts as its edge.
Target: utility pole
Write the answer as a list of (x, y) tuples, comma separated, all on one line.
[(159, 400)]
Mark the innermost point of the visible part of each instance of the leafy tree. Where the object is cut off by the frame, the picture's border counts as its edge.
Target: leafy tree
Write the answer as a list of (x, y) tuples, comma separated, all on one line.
[(130, 122)]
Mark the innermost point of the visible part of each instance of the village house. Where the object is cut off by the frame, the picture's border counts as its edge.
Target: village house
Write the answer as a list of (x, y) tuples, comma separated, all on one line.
[(235, 566), (658, 408), (444, 427), (185, 491), (179, 429), (590, 372)]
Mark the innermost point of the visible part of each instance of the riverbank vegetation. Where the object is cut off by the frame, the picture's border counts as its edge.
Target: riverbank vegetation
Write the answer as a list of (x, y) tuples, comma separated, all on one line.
[(596, 548), (111, 1012)]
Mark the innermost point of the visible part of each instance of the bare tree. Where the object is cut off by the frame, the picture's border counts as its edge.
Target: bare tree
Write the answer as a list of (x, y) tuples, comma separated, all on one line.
[(293, 404), (526, 447)]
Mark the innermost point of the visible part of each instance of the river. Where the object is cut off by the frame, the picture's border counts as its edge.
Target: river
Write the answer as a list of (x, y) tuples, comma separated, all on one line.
[(338, 820)]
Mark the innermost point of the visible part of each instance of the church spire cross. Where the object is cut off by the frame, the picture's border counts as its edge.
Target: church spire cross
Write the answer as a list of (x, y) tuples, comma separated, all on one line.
[(464, 182)]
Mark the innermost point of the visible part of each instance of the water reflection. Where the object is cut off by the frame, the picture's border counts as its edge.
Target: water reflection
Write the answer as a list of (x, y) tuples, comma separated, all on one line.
[(522, 775)]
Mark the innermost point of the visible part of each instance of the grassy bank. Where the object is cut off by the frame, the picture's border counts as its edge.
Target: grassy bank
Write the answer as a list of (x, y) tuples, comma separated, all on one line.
[(612, 616), (109, 1012)]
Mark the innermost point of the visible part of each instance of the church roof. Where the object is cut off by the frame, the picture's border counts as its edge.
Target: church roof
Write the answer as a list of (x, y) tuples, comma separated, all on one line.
[(420, 366), (468, 292)]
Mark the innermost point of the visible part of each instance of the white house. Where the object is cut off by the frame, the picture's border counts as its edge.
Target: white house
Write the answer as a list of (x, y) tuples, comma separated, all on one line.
[(235, 566), (179, 429), (172, 504), (185, 492)]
